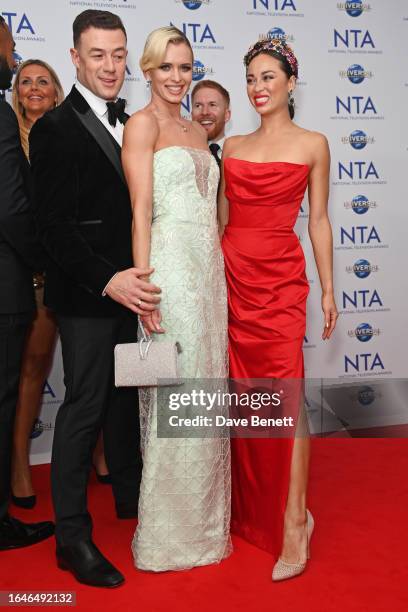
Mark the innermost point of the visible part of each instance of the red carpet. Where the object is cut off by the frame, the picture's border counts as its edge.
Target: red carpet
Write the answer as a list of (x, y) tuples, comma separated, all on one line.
[(359, 497)]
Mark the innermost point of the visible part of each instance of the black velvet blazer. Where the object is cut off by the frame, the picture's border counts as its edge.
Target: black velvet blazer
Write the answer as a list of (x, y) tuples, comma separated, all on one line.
[(82, 208)]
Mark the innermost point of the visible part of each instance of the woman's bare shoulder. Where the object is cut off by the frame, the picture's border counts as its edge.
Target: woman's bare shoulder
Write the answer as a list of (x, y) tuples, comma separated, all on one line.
[(143, 126), (314, 139), (143, 119), (232, 143)]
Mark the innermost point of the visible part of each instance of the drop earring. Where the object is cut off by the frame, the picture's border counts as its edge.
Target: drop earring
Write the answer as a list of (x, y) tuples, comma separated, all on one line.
[(291, 99)]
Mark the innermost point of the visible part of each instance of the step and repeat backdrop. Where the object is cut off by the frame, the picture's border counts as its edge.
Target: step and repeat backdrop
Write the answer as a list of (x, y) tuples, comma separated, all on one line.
[(353, 87)]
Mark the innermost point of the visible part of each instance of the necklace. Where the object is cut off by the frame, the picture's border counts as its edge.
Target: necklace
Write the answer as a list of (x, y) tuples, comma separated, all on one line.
[(180, 123), (183, 127), (166, 116)]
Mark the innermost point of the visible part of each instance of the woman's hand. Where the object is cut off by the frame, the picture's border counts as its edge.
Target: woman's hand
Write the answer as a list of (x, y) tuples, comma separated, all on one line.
[(330, 314), (151, 322)]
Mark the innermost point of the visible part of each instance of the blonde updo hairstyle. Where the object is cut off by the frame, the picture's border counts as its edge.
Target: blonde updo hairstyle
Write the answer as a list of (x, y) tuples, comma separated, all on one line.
[(156, 45)]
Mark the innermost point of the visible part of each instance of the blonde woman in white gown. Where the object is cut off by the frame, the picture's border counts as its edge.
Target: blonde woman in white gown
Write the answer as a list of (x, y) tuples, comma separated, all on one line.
[(184, 507)]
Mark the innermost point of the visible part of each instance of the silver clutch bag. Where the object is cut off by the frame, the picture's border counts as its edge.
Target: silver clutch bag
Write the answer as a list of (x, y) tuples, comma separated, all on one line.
[(146, 363)]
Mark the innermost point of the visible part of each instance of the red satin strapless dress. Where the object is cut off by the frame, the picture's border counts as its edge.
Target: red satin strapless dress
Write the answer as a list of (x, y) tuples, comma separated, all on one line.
[(267, 292)]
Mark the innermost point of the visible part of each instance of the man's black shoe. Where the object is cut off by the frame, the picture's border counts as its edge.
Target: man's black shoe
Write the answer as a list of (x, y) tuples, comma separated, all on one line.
[(88, 565), (16, 534)]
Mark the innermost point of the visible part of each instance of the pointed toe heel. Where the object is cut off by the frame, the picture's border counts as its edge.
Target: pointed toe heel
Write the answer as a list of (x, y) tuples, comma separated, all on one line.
[(283, 570)]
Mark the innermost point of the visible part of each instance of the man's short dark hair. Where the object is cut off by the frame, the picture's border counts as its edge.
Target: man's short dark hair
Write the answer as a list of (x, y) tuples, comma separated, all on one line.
[(208, 84), (102, 20)]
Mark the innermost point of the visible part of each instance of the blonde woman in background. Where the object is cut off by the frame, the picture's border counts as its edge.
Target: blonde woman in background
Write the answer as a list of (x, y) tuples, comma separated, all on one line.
[(36, 90)]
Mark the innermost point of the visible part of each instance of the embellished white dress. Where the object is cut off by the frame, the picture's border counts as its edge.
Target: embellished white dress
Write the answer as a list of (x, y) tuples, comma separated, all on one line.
[(184, 507)]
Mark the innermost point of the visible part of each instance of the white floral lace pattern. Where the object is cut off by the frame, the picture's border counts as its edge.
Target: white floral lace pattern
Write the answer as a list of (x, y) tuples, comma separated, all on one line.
[(184, 508)]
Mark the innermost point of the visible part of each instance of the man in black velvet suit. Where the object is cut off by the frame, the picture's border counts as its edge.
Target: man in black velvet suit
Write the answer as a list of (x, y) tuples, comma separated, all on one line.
[(85, 221), (18, 252)]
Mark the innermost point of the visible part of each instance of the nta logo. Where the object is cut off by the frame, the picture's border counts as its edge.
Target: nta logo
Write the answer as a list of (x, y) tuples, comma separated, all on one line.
[(276, 5), (362, 298), (197, 32), (360, 105), (360, 170), (353, 38), (363, 362), (359, 234), (18, 24)]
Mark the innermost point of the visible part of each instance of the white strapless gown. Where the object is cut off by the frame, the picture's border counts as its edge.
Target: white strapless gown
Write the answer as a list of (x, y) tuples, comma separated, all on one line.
[(184, 508)]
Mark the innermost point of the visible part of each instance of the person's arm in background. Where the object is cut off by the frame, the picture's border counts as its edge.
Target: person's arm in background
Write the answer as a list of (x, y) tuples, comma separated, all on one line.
[(17, 223)]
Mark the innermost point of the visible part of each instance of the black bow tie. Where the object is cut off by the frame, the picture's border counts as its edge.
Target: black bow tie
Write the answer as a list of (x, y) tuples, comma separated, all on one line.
[(215, 148), (116, 111)]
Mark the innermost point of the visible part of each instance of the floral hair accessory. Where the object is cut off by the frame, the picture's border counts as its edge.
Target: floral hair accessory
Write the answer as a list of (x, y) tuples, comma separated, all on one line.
[(276, 45)]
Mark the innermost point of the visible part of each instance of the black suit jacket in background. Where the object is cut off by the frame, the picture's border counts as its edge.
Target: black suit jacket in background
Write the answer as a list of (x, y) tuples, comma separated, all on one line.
[(20, 252), (82, 207)]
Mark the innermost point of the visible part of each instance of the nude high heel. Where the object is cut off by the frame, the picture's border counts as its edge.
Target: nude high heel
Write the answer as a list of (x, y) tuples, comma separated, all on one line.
[(283, 570)]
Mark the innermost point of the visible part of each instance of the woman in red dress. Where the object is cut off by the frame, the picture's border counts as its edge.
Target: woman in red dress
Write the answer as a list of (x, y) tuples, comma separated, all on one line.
[(265, 175)]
